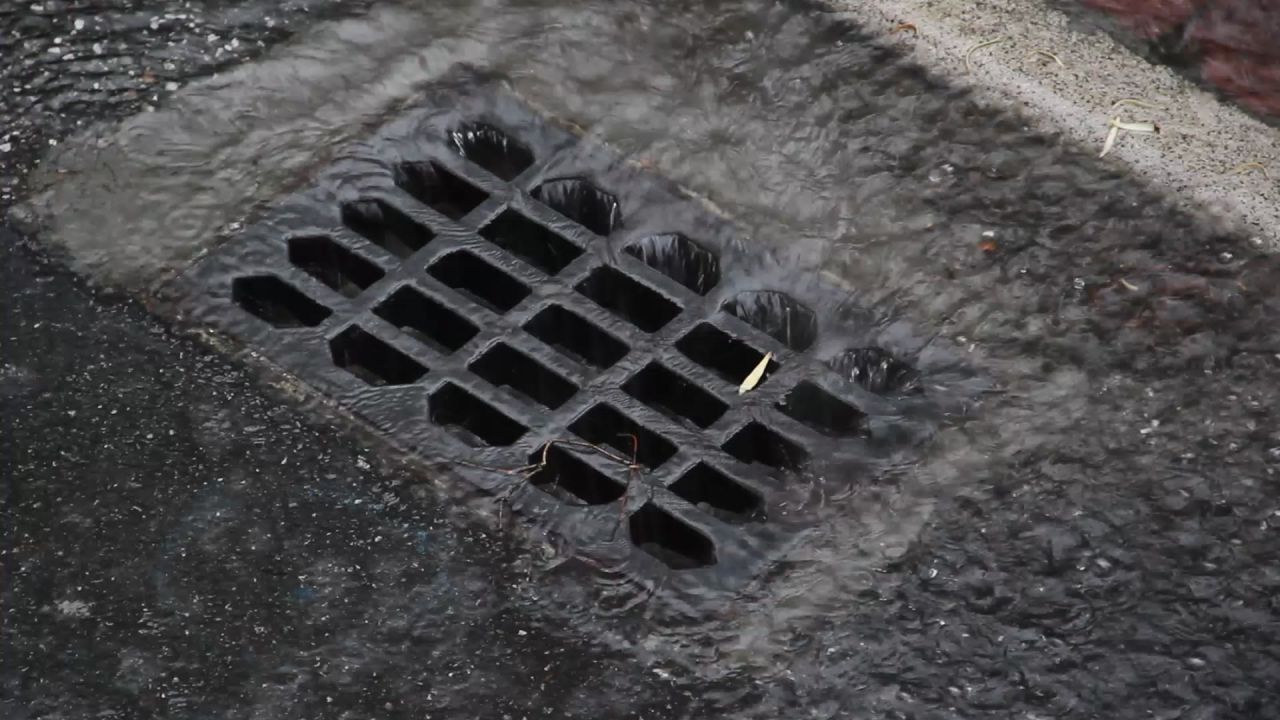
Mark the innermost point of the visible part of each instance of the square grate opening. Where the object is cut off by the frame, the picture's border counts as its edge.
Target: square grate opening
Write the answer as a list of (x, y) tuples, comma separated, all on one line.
[(439, 188), (576, 337), (569, 478), (629, 299), (603, 425), (502, 365), (372, 360), (479, 281), (386, 227), (680, 259), (877, 370), (756, 443), (778, 315), (671, 540), (491, 149), (470, 419), (718, 494), (332, 264), (582, 202), (426, 320), (674, 396), (272, 300), (822, 411), (728, 357), (531, 242)]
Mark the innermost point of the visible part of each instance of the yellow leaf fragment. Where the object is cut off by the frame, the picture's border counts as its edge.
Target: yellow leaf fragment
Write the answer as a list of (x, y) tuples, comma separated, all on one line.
[(1110, 142), (756, 375)]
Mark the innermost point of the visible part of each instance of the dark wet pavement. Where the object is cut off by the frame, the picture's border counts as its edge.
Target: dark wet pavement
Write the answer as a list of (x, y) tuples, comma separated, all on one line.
[(1098, 541), (68, 63), (180, 544)]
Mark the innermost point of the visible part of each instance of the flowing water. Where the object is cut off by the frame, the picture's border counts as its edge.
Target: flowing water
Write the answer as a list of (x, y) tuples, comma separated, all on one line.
[(1090, 531)]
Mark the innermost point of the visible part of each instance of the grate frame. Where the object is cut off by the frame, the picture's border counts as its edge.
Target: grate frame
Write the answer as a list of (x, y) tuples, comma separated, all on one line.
[(650, 206)]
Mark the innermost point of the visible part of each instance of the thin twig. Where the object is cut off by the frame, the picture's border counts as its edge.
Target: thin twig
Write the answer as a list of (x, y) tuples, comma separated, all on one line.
[(594, 448), (633, 469), (505, 471), (1245, 167), (1135, 102), (905, 27), (968, 65), (528, 471), (1049, 55)]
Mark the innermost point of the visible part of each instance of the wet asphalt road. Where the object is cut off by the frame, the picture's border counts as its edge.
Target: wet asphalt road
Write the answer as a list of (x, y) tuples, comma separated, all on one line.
[(293, 555), (178, 544), (181, 543), (70, 63)]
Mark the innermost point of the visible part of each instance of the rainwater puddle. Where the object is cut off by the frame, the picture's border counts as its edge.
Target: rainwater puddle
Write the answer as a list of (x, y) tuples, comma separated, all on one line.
[(851, 215), (533, 300)]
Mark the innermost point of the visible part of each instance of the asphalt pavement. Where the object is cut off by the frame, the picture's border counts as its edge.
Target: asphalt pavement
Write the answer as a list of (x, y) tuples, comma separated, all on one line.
[(188, 534)]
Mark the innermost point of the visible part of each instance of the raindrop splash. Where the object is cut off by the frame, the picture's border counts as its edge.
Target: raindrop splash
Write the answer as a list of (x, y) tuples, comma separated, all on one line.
[(778, 315), (877, 370), (680, 259), (491, 149), (580, 201)]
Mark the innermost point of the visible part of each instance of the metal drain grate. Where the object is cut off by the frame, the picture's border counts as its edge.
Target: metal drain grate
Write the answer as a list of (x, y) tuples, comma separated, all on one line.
[(489, 290)]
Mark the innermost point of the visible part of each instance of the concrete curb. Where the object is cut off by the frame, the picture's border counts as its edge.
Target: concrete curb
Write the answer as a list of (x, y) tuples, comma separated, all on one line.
[(1207, 153), (155, 191)]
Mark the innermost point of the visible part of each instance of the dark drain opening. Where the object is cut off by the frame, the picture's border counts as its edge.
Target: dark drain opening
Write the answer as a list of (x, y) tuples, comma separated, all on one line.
[(673, 395), (716, 493), (271, 299), (332, 264), (756, 443), (680, 259), (501, 365), (822, 411), (471, 419), (386, 227), (670, 539), (603, 425), (576, 337), (625, 297), (877, 370), (778, 315), (567, 477), (530, 242), (491, 149), (439, 188), (728, 357), (372, 360), (581, 202), (426, 320), (479, 281)]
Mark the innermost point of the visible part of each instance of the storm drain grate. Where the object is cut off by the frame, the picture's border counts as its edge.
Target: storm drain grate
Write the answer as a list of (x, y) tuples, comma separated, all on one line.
[(487, 289)]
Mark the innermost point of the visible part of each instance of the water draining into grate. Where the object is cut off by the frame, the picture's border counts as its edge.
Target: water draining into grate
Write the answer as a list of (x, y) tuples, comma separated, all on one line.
[(504, 296)]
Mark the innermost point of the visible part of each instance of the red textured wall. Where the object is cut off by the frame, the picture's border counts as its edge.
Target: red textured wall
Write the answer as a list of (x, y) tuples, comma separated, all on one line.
[(1148, 18), (1234, 44)]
